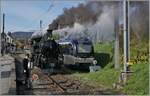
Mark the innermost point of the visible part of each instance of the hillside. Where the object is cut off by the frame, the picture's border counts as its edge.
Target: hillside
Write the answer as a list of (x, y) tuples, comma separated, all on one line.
[(22, 34)]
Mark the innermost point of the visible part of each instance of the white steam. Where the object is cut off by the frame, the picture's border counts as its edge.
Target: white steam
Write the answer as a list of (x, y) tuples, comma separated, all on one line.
[(102, 30), (39, 33)]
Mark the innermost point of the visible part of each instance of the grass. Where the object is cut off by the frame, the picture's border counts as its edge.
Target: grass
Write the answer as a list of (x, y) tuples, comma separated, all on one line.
[(139, 82), (107, 76), (102, 77), (103, 48)]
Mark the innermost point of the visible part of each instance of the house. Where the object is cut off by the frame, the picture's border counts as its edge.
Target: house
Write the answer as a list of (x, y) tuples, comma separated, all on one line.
[(7, 43)]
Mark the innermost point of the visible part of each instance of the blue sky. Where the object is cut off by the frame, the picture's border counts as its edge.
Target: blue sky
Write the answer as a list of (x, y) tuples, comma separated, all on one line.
[(25, 15)]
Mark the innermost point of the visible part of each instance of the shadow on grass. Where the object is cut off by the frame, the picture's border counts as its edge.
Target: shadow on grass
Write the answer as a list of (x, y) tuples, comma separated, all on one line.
[(78, 68), (102, 59)]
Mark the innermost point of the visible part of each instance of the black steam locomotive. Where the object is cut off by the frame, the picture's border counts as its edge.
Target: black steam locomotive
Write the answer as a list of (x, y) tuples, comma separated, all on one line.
[(46, 52)]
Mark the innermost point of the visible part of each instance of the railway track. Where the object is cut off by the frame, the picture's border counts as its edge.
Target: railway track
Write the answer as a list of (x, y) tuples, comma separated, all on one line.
[(59, 84), (46, 83), (62, 84)]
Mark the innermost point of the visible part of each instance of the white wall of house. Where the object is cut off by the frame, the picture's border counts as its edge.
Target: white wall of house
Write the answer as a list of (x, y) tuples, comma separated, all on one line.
[(9, 39)]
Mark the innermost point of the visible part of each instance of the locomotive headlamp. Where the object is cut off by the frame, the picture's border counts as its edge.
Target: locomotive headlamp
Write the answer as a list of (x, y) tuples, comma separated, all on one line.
[(95, 62)]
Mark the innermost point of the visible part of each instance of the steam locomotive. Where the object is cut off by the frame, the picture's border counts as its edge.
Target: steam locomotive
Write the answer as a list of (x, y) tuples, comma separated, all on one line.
[(77, 51), (46, 52), (49, 54)]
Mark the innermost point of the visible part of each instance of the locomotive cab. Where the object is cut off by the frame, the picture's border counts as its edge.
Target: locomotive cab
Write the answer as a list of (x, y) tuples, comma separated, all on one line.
[(85, 48)]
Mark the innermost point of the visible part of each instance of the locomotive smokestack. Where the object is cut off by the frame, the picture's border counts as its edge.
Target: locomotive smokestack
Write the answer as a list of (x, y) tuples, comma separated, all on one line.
[(49, 32)]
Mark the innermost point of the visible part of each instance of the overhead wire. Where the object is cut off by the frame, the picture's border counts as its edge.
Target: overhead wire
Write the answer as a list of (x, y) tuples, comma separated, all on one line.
[(43, 14)]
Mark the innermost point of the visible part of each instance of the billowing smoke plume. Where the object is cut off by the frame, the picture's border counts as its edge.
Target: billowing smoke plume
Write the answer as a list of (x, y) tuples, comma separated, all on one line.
[(140, 20), (39, 33), (96, 20), (101, 30)]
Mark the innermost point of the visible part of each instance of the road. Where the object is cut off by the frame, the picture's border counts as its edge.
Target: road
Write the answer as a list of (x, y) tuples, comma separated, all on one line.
[(6, 71)]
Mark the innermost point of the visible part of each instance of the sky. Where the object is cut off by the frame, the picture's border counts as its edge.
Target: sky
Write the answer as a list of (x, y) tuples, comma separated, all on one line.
[(25, 15)]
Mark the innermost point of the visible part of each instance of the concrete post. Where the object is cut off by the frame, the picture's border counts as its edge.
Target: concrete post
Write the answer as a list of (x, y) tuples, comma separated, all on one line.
[(116, 29)]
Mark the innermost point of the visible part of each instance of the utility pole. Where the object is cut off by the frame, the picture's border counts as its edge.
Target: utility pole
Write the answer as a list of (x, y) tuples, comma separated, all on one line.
[(125, 31), (128, 8), (0, 36), (41, 25), (116, 29), (3, 36), (3, 23)]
